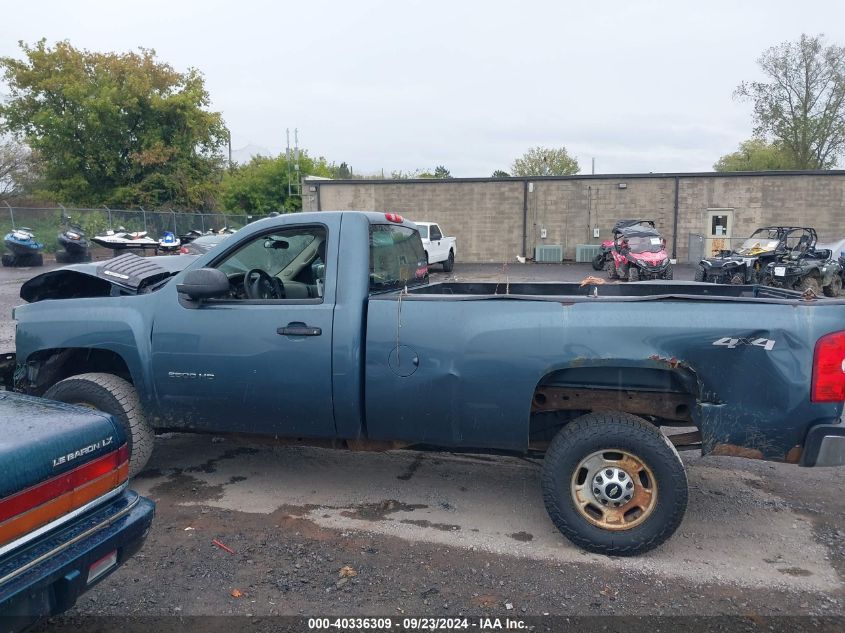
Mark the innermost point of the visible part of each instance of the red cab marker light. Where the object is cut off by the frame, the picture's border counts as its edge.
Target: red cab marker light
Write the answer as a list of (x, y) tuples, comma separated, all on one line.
[(394, 217)]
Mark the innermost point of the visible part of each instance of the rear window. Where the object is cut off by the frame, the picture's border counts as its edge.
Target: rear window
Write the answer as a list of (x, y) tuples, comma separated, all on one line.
[(397, 257)]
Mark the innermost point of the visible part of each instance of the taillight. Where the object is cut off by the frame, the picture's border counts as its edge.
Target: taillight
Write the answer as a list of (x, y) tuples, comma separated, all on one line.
[(829, 369), (394, 217), (184, 251)]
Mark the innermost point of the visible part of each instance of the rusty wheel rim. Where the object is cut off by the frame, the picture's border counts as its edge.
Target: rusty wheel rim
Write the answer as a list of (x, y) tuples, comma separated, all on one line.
[(614, 489)]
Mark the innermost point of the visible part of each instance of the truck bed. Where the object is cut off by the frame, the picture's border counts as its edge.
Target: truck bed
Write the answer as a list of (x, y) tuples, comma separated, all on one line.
[(652, 290)]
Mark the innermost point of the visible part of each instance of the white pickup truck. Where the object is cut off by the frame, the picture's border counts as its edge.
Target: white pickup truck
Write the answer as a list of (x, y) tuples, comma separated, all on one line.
[(438, 249)]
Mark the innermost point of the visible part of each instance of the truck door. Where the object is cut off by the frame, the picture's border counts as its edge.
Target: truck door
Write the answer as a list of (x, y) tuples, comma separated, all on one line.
[(437, 246), (259, 360)]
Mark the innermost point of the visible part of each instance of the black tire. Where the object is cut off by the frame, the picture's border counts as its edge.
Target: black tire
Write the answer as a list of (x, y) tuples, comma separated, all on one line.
[(737, 280), (9, 260), (608, 432), (449, 263), (669, 274), (114, 395), (834, 288), (32, 259), (700, 275), (633, 273), (598, 262), (610, 269), (809, 283), (63, 257)]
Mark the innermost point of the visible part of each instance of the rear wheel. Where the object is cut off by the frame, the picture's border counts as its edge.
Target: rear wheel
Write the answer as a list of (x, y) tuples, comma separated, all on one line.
[(633, 273), (449, 263), (810, 283), (613, 484), (598, 262), (834, 288), (114, 395), (699, 274)]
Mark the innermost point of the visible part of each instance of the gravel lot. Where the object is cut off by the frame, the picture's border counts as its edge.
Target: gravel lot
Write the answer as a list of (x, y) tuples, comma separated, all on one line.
[(442, 534)]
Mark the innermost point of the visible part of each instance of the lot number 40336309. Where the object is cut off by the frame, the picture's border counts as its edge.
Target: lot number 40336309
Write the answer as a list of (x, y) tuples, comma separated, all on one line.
[(732, 343)]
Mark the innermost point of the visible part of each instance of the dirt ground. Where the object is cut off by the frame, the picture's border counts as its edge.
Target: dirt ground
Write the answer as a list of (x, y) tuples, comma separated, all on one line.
[(317, 531)]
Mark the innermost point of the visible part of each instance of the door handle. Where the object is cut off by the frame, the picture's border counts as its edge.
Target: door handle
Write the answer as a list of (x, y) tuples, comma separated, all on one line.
[(299, 329)]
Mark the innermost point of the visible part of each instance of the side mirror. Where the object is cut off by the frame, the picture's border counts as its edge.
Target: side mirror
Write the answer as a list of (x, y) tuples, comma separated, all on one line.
[(204, 283)]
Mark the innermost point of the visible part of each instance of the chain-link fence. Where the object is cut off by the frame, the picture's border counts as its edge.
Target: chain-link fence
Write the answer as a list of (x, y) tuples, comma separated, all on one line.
[(47, 223)]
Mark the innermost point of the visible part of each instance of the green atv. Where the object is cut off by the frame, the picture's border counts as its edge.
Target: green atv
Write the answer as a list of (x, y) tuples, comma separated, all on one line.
[(804, 268)]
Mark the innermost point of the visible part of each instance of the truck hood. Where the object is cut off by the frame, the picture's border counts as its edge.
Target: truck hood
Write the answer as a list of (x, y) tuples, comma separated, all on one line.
[(55, 458), (127, 274)]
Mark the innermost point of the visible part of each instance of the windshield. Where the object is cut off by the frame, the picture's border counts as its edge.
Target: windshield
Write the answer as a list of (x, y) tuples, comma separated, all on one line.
[(650, 244), (423, 229), (761, 240)]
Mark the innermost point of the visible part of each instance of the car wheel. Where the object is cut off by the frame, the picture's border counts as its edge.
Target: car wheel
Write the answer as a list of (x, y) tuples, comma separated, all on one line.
[(610, 269), (598, 262), (737, 280), (669, 275), (834, 288), (8, 260), (449, 263), (633, 273), (114, 395), (613, 484), (810, 283), (699, 274), (63, 257)]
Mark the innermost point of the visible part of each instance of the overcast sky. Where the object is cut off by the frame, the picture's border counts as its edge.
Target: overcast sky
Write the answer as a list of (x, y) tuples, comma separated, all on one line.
[(639, 85)]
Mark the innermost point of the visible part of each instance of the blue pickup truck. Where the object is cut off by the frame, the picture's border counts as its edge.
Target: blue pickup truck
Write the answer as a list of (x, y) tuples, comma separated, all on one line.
[(67, 519), (325, 325)]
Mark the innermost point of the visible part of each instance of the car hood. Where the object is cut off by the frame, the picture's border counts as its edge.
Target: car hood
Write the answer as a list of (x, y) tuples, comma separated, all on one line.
[(126, 274)]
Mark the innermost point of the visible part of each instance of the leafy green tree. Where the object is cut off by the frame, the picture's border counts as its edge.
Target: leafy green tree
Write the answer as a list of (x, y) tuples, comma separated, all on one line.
[(500, 174), (756, 154), (341, 171), (545, 161), (802, 103), (17, 169), (121, 129), (441, 172), (261, 185)]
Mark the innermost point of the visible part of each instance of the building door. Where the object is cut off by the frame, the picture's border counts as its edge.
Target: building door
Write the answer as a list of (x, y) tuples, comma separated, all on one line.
[(718, 231)]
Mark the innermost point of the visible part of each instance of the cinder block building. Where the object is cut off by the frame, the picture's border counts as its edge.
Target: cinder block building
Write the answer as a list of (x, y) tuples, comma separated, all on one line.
[(496, 219)]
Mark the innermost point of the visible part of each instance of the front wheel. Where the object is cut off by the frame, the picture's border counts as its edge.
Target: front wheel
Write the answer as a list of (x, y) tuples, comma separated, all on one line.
[(834, 288), (633, 273), (613, 484), (700, 275), (809, 284), (598, 262), (449, 263), (610, 269), (668, 275), (118, 397)]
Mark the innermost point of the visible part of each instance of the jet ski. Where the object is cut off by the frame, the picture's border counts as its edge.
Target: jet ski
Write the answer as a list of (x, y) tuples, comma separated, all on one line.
[(24, 249), (169, 242), (76, 246), (190, 236), (121, 240)]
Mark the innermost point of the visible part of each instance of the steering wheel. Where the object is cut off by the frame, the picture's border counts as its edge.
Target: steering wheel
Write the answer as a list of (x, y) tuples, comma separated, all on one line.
[(258, 284)]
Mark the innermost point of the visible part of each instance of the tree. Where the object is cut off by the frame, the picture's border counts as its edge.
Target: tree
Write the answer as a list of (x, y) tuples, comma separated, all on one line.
[(441, 172), (342, 171), (17, 169), (261, 186), (545, 161), (802, 105), (119, 129), (756, 154), (500, 174)]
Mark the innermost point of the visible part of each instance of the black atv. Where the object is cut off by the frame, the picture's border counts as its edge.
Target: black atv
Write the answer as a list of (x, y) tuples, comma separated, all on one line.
[(745, 264), (805, 269)]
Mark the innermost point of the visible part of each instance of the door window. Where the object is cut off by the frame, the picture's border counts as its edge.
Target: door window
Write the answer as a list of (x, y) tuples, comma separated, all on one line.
[(281, 265), (435, 233)]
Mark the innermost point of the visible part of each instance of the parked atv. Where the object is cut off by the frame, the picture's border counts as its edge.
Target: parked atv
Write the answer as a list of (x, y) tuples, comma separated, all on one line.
[(806, 268), (600, 260), (638, 252), (745, 265)]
